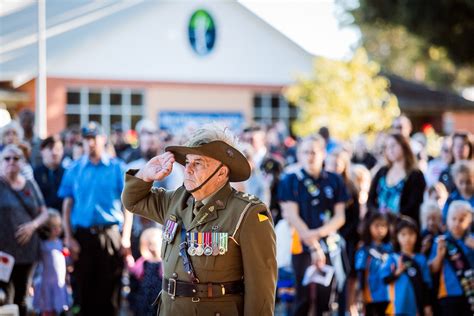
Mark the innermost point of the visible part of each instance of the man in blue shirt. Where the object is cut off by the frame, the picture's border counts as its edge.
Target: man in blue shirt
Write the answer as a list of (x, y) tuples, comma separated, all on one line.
[(313, 202), (93, 216)]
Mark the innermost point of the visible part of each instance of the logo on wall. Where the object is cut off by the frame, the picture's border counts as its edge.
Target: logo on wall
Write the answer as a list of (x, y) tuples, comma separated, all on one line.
[(202, 32)]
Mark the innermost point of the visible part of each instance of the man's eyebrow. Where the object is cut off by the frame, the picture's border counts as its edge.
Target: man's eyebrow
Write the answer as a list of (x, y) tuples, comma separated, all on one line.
[(197, 160)]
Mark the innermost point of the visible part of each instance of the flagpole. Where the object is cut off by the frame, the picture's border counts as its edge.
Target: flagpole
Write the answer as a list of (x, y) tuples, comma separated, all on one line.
[(40, 117)]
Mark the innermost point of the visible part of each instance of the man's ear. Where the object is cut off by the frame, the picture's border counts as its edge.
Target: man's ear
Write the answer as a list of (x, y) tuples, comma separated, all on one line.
[(224, 171)]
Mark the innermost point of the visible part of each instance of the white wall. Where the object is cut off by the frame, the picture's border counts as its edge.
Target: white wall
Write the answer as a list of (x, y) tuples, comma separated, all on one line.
[(150, 42)]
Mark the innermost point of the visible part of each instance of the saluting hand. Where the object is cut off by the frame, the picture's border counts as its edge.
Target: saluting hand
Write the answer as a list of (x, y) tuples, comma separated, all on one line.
[(157, 168)]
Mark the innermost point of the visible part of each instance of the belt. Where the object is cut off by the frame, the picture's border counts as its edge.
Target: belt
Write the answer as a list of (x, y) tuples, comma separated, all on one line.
[(94, 230), (201, 290)]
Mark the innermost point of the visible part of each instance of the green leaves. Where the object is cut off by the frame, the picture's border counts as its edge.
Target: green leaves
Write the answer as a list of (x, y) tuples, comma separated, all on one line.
[(349, 97)]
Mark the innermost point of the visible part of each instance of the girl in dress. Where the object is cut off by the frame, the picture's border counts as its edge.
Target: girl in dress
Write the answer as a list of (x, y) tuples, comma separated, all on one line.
[(148, 271), (51, 296)]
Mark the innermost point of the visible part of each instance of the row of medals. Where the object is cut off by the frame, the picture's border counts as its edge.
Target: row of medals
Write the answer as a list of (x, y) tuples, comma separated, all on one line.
[(207, 243)]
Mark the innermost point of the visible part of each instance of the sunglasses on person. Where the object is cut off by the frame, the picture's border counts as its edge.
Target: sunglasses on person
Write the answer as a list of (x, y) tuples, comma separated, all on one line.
[(9, 158)]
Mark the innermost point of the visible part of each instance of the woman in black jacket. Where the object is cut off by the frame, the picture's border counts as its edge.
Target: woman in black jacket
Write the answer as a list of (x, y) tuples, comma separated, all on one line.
[(398, 187)]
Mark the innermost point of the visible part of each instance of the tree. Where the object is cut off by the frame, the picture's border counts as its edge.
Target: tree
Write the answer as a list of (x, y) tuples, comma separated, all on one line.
[(404, 53), (448, 24), (349, 97)]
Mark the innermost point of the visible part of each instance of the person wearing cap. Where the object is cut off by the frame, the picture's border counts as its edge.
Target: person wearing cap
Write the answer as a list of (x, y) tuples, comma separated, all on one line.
[(218, 250), (93, 216)]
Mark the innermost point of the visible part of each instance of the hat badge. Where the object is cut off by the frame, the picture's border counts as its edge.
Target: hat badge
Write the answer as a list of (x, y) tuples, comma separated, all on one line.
[(230, 152)]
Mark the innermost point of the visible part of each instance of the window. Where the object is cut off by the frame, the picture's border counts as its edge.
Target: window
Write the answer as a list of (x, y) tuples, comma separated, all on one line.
[(104, 106), (269, 108)]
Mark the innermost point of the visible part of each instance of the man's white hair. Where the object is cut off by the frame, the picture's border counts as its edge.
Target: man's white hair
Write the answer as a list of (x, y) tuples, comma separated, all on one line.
[(459, 206), (212, 132), (12, 126)]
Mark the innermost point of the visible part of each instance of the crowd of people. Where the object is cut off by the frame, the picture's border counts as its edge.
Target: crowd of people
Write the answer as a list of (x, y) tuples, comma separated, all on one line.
[(392, 224)]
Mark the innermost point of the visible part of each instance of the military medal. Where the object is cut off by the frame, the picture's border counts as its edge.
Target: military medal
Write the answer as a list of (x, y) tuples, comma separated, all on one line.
[(199, 248), (215, 244), (223, 243), (207, 244), (191, 249), (170, 229)]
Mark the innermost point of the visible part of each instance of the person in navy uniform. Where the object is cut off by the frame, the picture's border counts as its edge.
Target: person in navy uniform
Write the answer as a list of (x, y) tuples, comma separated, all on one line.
[(313, 202)]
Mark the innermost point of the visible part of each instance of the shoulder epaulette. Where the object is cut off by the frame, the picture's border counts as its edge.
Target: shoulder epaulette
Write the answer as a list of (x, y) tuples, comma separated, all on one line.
[(248, 197)]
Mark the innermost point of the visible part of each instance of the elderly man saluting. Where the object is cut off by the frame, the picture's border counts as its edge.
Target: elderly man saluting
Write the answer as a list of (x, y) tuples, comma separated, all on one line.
[(218, 244)]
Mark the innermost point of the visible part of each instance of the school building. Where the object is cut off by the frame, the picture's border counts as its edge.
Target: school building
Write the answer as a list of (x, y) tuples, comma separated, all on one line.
[(174, 62)]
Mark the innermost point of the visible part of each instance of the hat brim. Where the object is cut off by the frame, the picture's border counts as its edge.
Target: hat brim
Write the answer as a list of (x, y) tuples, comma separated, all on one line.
[(236, 162)]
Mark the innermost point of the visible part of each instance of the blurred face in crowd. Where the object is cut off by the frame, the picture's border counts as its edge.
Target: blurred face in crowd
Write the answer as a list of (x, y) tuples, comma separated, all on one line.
[(27, 120), (459, 221), (439, 195), (464, 183), (460, 149), (445, 154), (117, 137), (393, 150), (378, 230), (407, 239), (94, 147), (360, 146), (433, 221), (72, 137), (334, 163), (55, 227), (11, 163), (149, 144), (402, 125), (52, 155), (77, 150), (11, 137), (312, 155)]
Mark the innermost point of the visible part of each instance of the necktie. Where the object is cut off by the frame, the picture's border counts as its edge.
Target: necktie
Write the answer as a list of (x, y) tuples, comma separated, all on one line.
[(197, 207)]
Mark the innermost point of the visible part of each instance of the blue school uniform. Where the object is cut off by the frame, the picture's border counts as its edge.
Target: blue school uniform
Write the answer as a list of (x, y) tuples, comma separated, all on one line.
[(402, 292), (316, 197), (368, 264), (449, 285)]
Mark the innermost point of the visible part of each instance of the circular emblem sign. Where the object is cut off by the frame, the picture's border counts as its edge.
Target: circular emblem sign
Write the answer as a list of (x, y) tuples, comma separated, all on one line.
[(202, 32)]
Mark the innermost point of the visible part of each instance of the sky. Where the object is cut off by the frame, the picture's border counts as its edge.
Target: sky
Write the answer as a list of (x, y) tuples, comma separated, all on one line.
[(312, 24)]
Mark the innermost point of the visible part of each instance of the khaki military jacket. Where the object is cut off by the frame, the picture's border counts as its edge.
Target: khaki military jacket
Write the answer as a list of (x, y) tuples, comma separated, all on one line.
[(251, 254)]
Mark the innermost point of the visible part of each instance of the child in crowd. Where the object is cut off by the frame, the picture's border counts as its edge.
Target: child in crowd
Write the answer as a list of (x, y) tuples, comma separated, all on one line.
[(437, 193), (406, 271), (452, 256), (149, 272), (462, 173), (431, 224), (51, 296), (369, 260)]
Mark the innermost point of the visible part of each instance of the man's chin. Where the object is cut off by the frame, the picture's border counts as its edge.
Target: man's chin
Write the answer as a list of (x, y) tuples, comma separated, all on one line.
[(188, 185)]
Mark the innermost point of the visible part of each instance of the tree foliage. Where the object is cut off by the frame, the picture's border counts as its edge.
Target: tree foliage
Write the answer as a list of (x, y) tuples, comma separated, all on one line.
[(349, 97), (445, 23), (405, 53)]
